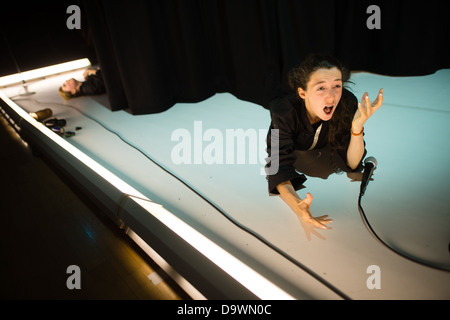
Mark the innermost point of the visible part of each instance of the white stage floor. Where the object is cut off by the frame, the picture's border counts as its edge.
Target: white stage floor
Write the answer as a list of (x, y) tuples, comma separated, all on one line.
[(407, 203)]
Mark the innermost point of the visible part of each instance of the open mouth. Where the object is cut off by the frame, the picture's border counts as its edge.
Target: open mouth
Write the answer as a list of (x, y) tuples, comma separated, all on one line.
[(328, 109)]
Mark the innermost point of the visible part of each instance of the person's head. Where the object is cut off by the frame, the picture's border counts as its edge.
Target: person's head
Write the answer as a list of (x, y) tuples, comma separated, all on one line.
[(70, 89), (319, 80)]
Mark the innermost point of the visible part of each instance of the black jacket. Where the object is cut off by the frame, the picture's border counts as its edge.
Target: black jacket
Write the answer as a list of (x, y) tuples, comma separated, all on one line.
[(295, 132), (93, 85)]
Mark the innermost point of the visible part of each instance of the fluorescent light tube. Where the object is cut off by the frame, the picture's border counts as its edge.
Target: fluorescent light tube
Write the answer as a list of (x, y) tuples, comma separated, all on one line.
[(43, 72)]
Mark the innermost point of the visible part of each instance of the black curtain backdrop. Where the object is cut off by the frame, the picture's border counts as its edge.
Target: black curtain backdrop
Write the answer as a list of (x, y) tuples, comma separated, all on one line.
[(157, 53)]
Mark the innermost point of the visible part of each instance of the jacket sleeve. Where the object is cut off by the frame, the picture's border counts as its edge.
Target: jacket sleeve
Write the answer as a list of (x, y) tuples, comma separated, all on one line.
[(280, 148)]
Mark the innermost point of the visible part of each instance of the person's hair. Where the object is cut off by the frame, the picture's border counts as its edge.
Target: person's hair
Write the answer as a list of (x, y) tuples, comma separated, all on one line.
[(340, 123), (66, 95)]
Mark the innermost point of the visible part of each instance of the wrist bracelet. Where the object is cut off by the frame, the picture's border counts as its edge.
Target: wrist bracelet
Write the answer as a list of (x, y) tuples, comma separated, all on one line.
[(356, 134)]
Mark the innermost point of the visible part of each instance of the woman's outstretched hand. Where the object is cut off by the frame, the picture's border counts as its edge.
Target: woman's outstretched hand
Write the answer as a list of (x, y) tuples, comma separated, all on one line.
[(365, 110), (302, 211)]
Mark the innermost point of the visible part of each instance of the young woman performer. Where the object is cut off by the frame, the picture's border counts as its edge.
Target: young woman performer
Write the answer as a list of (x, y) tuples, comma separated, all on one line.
[(321, 111)]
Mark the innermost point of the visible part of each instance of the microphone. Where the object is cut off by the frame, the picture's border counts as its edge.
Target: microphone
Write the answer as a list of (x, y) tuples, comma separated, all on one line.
[(370, 164)]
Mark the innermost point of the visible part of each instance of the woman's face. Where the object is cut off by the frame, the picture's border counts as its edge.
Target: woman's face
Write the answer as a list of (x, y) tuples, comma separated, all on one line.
[(322, 94), (70, 86)]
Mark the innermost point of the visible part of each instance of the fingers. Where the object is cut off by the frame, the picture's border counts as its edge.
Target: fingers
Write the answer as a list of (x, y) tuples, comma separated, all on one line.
[(379, 100), (362, 111), (320, 222), (376, 103), (323, 219), (317, 223), (308, 199), (370, 107)]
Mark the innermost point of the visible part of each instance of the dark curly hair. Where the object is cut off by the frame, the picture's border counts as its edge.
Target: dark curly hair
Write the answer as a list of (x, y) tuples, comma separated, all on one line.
[(340, 123)]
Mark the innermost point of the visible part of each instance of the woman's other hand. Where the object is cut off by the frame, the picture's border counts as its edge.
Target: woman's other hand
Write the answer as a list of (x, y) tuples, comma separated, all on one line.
[(303, 212)]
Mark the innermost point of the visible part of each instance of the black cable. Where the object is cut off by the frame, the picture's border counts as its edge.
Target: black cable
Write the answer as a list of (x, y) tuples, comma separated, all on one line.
[(378, 238), (224, 214)]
